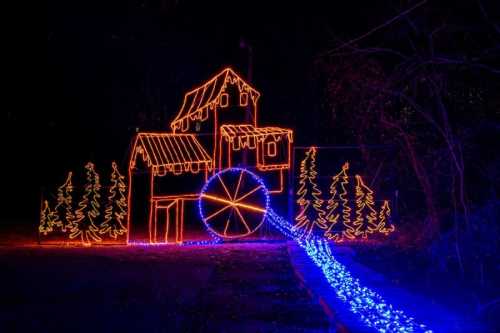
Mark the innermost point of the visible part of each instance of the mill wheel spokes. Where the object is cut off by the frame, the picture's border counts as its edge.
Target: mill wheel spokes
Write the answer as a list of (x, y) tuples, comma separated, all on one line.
[(233, 203)]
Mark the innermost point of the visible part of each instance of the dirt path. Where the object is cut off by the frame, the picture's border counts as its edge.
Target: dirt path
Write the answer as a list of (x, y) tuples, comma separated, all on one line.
[(225, 288)]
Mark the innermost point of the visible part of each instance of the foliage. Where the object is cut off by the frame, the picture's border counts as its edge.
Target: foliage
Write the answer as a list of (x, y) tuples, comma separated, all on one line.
[(428, 85)]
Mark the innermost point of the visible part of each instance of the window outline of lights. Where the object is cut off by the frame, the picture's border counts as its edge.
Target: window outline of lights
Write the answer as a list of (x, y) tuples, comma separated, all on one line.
[(243, 99), (224, 100), (274, 150)]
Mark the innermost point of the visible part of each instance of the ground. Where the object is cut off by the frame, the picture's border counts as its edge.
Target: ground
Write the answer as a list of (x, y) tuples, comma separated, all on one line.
[(242, 287), (474, 304)]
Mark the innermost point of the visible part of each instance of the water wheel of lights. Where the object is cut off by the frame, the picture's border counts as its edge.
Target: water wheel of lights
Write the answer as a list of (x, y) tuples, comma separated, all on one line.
[(233, 203)]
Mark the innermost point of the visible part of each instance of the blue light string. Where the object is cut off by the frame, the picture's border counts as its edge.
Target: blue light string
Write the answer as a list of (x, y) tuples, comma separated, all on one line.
[(373, 310), (210, 181)]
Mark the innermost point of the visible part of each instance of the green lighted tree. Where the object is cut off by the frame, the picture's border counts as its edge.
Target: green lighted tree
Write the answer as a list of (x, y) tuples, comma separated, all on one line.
[(310, 213), (116, 208), (88, 210), (366, 216), (64, 209)]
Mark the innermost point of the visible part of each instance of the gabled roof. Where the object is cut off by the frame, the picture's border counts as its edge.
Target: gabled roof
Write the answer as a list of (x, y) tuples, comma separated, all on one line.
[(198, 101), (167, 152)]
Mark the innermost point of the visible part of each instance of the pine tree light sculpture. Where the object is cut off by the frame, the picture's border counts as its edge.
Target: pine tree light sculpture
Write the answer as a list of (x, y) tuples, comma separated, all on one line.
[(339, 230), (310, 214), (64, 209), (332, 217), (366, 215), (47, 218), (336, 223), (385, 226), (116, 208), (84, 225)]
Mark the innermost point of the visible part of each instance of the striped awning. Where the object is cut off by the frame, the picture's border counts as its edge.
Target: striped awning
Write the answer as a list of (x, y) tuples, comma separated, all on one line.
[(199, 101), (167, 152), (248, 135)]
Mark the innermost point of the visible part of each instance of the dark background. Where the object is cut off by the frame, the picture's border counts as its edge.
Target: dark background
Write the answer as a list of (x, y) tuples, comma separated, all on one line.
[(116, 66)]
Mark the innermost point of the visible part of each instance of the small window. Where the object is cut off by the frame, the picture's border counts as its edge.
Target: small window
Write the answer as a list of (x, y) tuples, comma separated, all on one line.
[(224, 100), (271, 149), (243, 99)]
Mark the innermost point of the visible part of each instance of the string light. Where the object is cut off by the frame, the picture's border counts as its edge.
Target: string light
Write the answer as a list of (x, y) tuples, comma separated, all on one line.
[(200, 101), (179, 152), (334, 232), (64, 209), (170, 153), (259, 138), (116, 209), (372, 309), (232, 207), (309, 196), (338, 227), (385, 226), (365, 223), (349, 231), (83, 225), (166, 153), (47, 219)]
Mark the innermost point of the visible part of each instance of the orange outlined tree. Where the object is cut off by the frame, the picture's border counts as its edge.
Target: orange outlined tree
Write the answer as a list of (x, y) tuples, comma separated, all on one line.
[(336, 228), (349, 231), (64, 209), (84, 226), (310, 213), (47, 219), (116, 208), (385, 226), (366, 215)]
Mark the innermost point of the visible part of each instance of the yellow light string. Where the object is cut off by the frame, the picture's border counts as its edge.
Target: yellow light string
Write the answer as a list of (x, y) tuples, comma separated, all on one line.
[(116, 208), (84, 226), (180, 152), (337, 219), (349, 231), (384, 219), (366, 216), (64, 208), (332, 216), (47, 219), (309, 195)]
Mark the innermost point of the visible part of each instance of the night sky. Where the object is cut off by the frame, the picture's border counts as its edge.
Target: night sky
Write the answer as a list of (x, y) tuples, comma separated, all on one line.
[(116, 66)]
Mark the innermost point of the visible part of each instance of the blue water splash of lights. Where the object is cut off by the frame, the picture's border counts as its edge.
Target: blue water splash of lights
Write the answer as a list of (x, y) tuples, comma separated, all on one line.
[(373, 310)]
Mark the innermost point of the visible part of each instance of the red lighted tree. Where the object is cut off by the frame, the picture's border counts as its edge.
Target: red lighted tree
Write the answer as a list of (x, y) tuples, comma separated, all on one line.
[(310, 213), (116, 208), (366, 216), (88, 210), (47, 218), (385, 225), (64, 209)]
